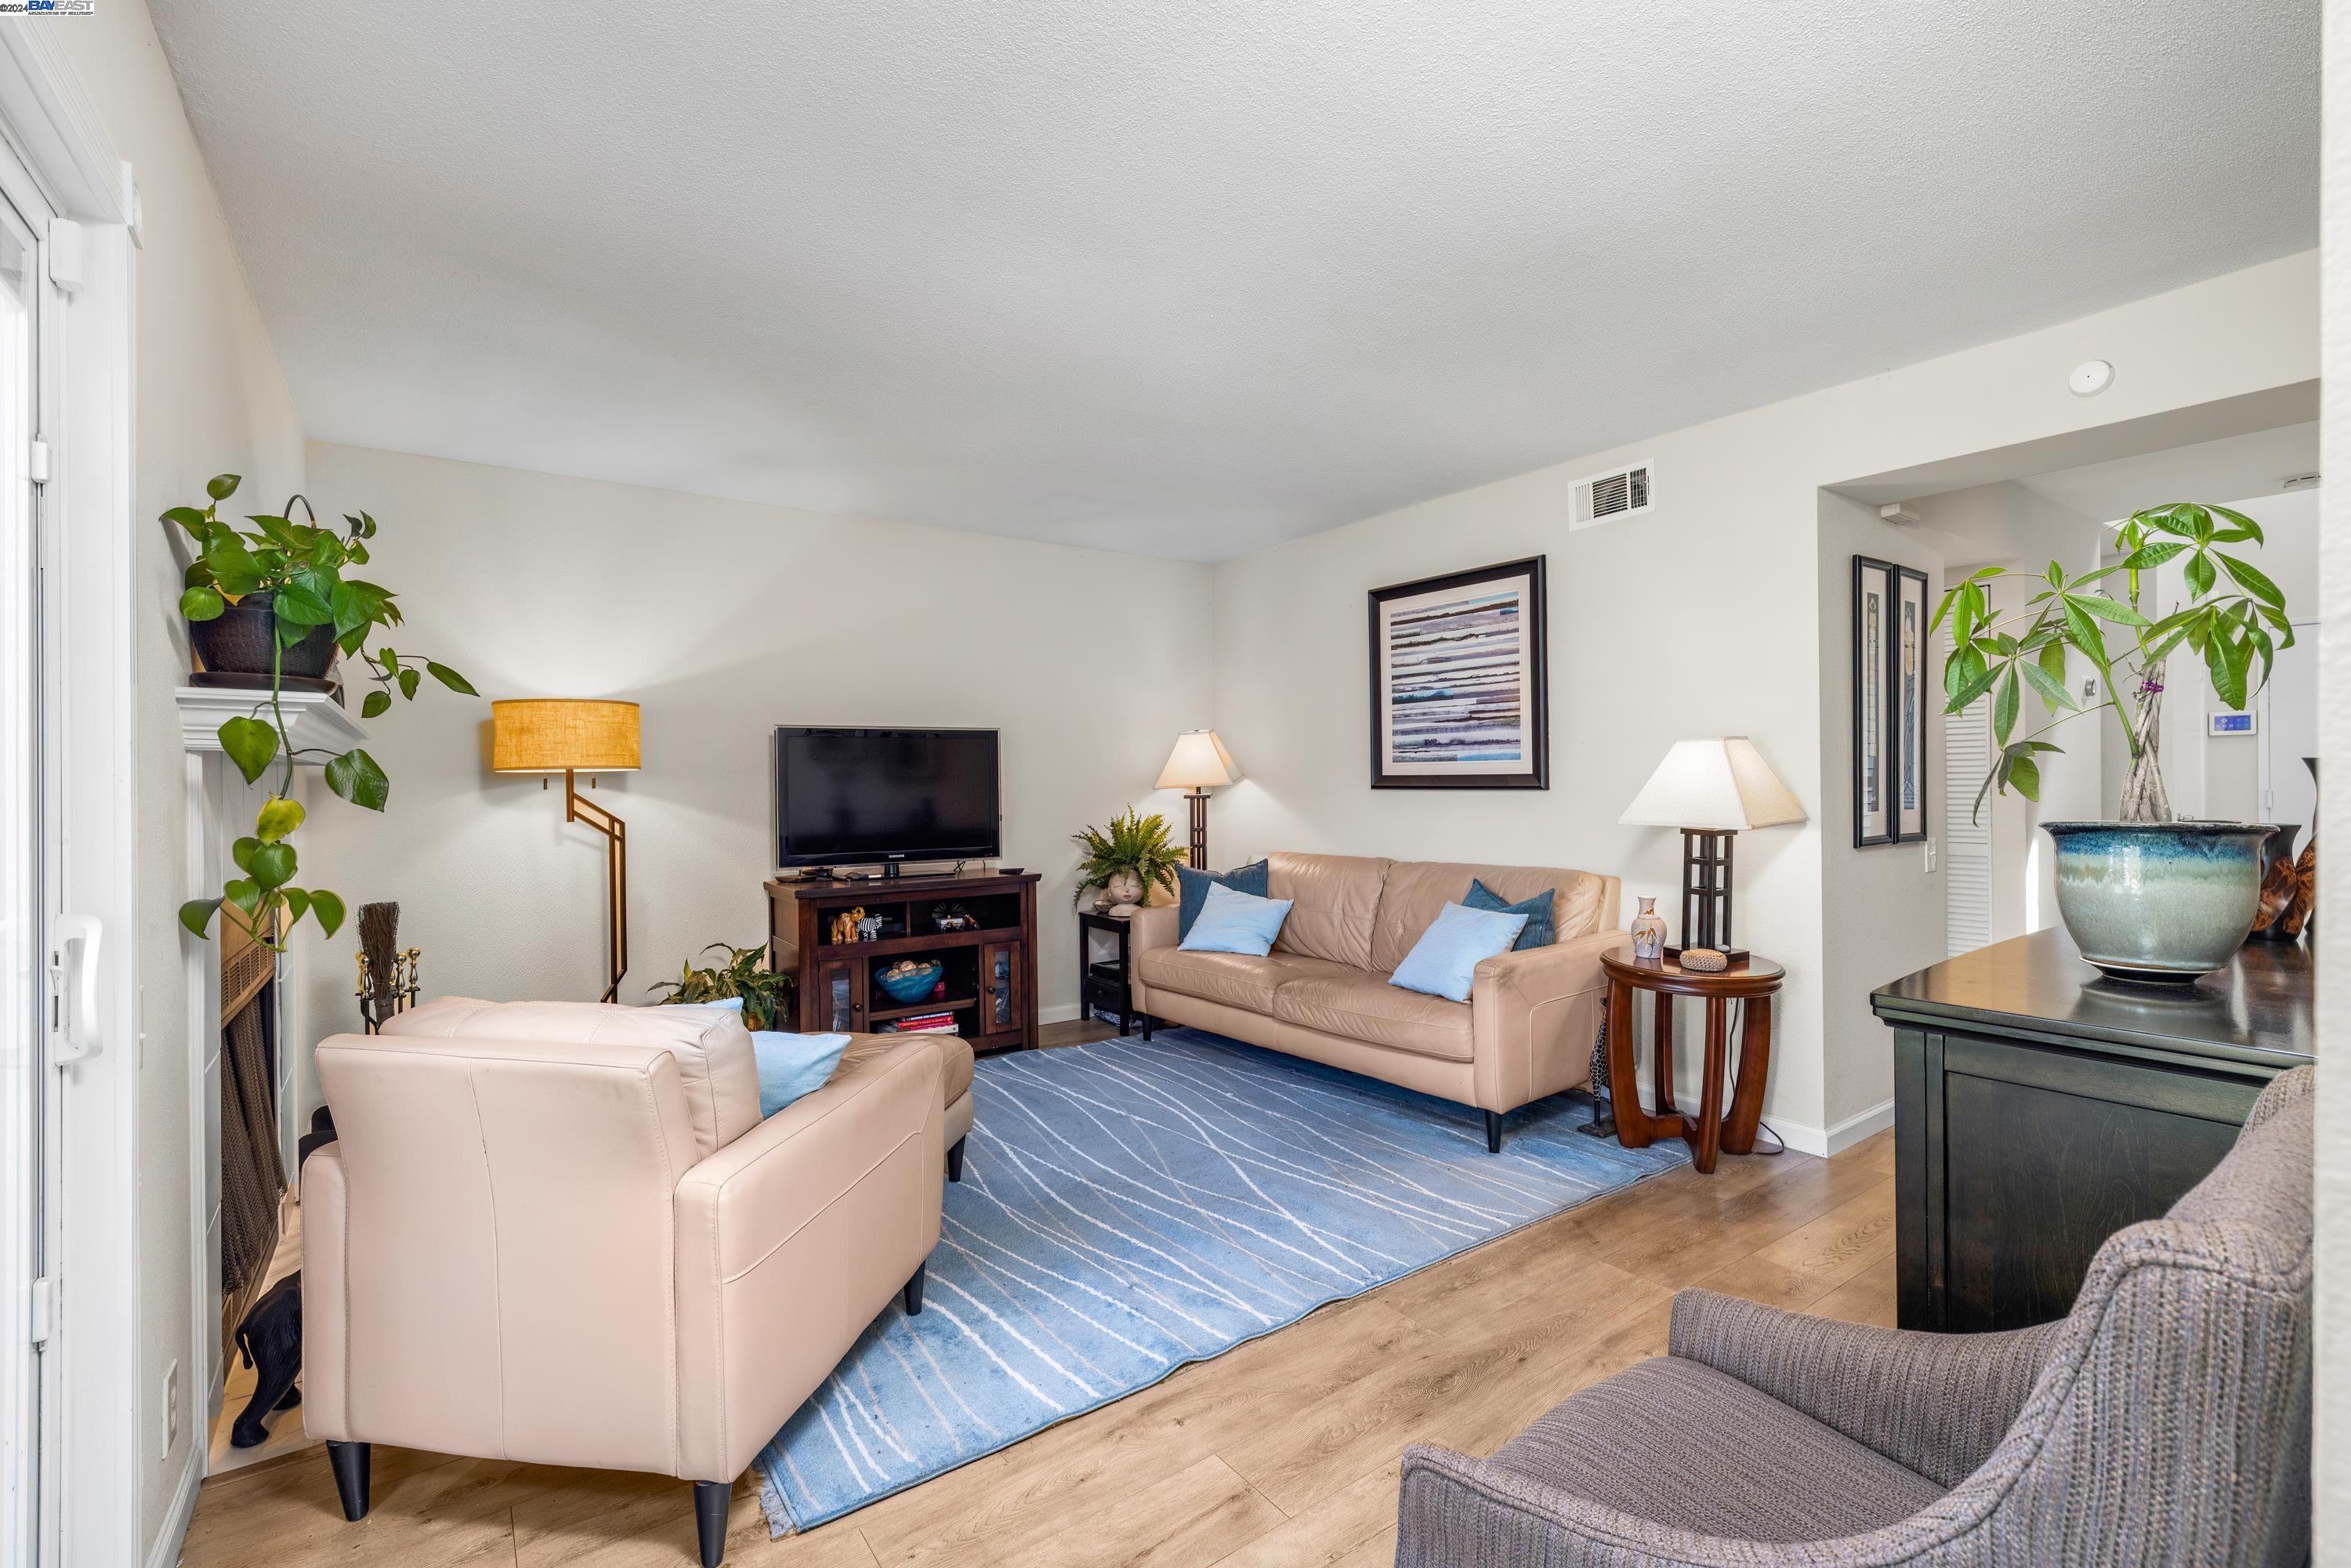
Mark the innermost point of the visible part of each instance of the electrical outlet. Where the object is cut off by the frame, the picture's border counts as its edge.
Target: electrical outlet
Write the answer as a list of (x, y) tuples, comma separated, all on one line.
[(1930, 853), (170, 1408)]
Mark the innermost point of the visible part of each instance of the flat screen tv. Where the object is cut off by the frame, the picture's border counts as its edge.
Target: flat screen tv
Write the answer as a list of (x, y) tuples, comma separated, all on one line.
[(861, 797)]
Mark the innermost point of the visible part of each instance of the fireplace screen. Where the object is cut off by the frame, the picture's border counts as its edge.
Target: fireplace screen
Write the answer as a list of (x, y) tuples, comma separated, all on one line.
[(253, 1172)]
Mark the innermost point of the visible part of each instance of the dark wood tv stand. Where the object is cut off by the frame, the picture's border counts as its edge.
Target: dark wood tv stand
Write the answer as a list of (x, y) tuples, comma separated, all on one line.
[(990, 969)]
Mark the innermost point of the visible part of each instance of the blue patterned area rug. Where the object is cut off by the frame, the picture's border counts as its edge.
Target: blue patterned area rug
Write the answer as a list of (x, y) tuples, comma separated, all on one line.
[(1126, 1208)]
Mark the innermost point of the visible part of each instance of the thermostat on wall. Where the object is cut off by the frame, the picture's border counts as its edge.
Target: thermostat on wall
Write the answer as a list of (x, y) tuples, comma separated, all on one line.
[(2231, 723)]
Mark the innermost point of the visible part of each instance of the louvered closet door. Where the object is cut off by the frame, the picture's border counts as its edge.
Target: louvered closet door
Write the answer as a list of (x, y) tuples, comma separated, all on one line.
[(1966, 845)]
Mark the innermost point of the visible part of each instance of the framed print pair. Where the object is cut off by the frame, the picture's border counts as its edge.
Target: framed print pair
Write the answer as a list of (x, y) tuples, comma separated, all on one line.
[(1889, 698)]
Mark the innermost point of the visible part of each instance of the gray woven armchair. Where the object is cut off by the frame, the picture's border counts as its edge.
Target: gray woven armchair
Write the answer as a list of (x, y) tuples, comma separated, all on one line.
[(2166, 1421)]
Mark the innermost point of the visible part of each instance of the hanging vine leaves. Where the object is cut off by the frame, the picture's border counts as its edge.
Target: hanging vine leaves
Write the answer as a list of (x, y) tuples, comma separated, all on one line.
[(300, 565)]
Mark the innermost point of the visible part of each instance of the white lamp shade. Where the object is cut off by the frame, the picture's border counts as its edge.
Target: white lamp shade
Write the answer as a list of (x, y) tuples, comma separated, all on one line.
[(1716, 786), (1198, 762)]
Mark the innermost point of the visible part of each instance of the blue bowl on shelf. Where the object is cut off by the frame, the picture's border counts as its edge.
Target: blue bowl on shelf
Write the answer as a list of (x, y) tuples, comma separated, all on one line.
[(911, 984)]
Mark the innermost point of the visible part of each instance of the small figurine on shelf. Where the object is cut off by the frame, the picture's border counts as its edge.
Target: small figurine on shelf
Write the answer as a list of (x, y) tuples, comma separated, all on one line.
[(845, 923)]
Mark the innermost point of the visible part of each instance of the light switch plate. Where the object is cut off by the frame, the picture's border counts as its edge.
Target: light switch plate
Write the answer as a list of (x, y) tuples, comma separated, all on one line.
[(1929, 846)]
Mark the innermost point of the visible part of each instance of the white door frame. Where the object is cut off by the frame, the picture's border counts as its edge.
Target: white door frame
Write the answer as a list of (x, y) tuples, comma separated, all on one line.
[(94, 1458), (26, 1154)]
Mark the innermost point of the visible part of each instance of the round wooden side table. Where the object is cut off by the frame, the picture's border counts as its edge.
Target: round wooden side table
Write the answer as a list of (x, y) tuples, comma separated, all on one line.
[(1752, 980)]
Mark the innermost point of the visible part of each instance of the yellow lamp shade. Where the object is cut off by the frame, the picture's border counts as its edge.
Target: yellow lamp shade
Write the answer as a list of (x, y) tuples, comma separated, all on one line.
[(550, 734)]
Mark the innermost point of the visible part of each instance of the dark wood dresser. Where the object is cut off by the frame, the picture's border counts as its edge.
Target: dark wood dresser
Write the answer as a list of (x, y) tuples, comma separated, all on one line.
[(2040, 1107)]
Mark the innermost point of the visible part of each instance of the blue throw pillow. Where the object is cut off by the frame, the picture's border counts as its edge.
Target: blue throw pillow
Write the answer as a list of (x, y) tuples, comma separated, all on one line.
[(792, 1065), (1448, 953), (1542, 926), (1192, 889), (1232, 921)]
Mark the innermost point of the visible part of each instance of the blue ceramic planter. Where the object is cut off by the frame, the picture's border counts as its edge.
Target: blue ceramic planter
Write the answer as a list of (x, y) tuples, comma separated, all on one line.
[(2168, 902)]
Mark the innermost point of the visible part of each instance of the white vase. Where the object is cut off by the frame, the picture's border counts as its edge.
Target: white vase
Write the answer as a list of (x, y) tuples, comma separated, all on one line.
[(1124, 887), (1648, 933)]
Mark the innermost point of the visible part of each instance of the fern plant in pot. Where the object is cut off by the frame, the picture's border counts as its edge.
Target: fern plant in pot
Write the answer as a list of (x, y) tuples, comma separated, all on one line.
[(1125, 860), (2148, 897), (281, 586)]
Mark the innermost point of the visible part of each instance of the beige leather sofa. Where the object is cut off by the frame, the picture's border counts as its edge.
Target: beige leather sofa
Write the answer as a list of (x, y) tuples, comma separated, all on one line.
[(1527, 1030), (560, 1232)]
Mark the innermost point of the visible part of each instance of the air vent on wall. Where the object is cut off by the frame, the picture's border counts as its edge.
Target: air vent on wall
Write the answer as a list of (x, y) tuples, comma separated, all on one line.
[(1626, 492)]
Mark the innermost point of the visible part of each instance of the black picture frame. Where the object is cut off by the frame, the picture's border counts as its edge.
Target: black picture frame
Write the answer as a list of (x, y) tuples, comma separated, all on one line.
[(1873, 717), (1533, 733), (1907, 674)]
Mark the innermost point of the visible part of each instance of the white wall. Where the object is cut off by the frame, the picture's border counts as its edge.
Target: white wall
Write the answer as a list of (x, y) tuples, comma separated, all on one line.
[(2331, 1468), (1905, 899), (1706, 618), (210, 399), (723, 619)]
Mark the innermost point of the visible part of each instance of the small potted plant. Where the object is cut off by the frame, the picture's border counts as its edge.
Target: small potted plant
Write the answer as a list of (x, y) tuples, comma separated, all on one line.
[(281, 587), (2148, 897), (1126, 860), (767, 995)]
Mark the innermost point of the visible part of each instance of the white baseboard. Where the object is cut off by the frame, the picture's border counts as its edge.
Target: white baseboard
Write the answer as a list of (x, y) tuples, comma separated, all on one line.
[(173, 1532), (1836, 1140), (1062, 1013)]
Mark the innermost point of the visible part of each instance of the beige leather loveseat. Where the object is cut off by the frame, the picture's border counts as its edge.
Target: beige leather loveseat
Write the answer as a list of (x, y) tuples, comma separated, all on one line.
[(1527, 1030), (560, 1232)]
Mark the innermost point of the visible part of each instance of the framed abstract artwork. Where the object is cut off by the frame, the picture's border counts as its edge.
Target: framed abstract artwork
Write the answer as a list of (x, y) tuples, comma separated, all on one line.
[(1908, 685), (1873, 718), (1459, 681), (1890, 702)]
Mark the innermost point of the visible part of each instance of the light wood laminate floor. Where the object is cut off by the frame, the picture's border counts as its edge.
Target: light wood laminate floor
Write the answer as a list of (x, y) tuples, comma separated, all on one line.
[(1283, 1451)]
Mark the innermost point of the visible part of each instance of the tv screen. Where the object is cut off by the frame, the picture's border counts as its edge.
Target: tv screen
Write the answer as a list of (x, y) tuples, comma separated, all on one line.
[(846, 797)]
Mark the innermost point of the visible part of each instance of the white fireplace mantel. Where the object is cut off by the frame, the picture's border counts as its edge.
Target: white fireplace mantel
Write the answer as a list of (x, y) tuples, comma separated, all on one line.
[(315, 722), (220, 808)]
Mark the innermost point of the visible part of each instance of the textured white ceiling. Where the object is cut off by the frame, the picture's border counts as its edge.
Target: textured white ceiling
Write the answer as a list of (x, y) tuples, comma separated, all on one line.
[(1190, 277)]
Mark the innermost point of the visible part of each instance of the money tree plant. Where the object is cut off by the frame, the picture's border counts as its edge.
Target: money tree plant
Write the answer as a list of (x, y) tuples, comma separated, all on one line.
[(298, 568), (2237, 632)]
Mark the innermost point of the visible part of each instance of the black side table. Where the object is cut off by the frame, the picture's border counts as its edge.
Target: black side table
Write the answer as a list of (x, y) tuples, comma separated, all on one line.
[(1103, 981)]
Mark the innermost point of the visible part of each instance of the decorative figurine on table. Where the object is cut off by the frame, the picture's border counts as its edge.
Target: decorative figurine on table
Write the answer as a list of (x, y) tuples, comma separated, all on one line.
[(844, 924)]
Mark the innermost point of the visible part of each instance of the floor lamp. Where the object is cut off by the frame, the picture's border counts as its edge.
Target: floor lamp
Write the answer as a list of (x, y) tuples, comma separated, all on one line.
[(1198, 764), (572, 736)]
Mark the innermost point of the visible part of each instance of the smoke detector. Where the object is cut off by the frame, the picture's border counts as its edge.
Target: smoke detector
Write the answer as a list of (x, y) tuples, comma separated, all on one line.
[(2302, 481), (2090, 377), (1901, 512)]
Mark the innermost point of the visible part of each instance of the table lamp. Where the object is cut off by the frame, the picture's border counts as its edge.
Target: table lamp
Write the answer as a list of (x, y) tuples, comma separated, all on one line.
[(1712, 791), (572, 736), (1198, 764)]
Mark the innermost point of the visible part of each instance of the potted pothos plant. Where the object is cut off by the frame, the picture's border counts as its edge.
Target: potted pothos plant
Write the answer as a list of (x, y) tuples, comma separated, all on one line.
[(767, 995), (2147, 897), (294, 574), (1126, 860)]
